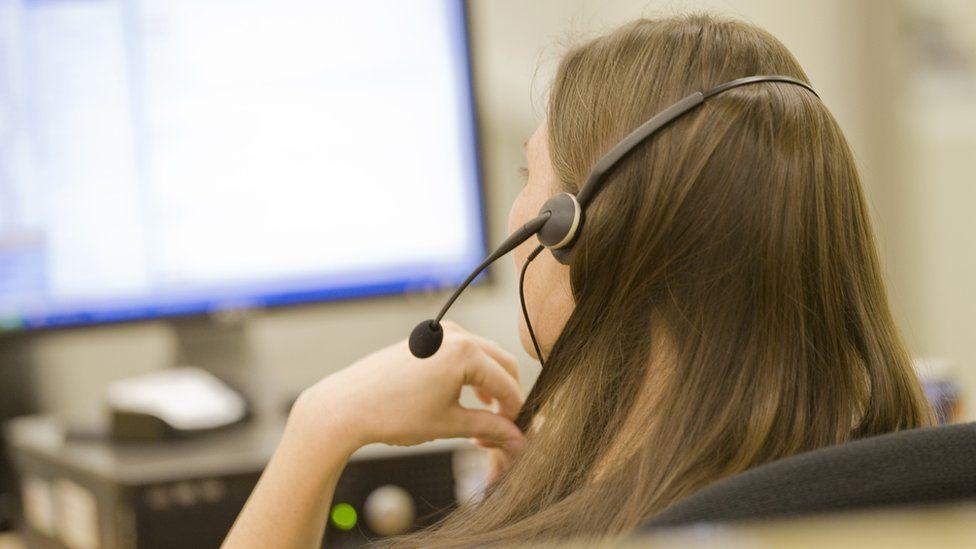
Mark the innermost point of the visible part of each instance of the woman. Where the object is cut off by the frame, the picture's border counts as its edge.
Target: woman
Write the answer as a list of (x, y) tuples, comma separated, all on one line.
[(723, 308)]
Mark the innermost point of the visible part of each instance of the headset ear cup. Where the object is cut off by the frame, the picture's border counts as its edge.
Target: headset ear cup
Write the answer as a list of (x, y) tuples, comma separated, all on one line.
[(563, 255), (565, 216)]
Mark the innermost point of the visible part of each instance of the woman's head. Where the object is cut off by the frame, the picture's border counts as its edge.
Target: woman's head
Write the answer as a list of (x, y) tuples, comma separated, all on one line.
[(724, 305)]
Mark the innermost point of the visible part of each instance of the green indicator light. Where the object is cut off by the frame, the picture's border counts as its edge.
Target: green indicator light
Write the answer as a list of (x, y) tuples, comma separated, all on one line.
[(343, 516)]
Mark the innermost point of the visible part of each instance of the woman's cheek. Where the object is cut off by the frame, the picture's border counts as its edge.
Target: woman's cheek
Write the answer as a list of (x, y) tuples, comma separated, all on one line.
[(516, 216), (511, 217)]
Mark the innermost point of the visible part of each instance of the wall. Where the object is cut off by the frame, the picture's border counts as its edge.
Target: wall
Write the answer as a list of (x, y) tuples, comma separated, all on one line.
[(933, 253), (515, 44)]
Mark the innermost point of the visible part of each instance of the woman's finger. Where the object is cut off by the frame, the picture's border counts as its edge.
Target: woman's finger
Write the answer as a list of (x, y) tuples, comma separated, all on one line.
[(486, 444), (489, 377), (487, 425), (501, 356), (484, 398), (504, 358)]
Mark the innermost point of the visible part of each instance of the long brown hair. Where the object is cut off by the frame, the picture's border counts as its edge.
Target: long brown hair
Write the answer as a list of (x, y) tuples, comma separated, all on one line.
[(730, 308)]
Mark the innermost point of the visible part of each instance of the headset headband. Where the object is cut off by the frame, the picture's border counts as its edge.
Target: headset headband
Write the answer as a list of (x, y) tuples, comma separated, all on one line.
[(663, 118), (567, 211)]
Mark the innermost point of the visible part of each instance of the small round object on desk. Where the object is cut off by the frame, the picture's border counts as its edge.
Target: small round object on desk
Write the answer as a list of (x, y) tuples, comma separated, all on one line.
[(389, 510)]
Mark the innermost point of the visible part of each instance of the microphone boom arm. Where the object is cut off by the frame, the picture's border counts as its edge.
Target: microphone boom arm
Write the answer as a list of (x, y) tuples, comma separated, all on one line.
[(521, 235), (427, 336)]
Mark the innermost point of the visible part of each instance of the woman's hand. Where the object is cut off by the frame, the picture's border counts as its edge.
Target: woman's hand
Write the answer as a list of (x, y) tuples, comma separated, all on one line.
[(390, 396), (393, 397)]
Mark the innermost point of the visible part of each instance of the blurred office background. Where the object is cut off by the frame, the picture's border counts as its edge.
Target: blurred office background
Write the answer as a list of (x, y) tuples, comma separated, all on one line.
[(899, 75)]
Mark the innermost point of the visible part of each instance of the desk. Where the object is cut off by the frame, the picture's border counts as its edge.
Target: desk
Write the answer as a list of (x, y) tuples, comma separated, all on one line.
[(944, 526)]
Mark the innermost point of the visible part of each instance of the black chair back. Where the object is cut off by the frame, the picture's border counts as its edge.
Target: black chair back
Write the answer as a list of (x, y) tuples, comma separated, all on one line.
[(919, 466)]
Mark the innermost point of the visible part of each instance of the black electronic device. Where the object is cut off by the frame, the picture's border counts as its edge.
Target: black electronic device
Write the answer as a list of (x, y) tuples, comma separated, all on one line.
[(18, 399), (94, 493)]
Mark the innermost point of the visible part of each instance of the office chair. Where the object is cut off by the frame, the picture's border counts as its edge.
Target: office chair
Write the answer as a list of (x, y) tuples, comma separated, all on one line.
[(919, 466)]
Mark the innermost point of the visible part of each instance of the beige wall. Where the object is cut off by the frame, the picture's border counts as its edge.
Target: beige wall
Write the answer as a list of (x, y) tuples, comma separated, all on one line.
[(935, 267), (842, 44)]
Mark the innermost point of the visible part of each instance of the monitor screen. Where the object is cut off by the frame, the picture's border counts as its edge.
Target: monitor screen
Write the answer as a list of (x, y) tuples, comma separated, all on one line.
[(171, 157)]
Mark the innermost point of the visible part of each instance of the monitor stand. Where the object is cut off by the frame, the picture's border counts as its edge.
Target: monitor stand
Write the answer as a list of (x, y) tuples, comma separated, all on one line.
[(18, 398), (16, 376), (223, 348)]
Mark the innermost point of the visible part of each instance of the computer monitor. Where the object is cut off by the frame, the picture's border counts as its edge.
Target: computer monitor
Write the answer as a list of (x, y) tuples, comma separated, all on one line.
[(176, 157)]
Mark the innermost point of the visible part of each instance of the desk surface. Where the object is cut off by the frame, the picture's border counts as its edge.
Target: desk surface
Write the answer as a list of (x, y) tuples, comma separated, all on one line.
[(949, 526), (244, 448)]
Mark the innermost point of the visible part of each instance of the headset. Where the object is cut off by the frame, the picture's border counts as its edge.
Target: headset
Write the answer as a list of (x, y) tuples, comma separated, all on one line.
[(561, 217)]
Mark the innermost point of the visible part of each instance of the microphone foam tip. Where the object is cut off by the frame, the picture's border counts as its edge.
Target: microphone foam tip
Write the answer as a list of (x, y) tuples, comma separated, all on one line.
[(426, 338)]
